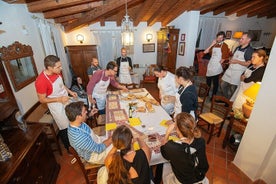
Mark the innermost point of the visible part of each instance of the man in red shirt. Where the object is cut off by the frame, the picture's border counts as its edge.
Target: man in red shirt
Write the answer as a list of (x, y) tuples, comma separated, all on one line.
[(52, 91)]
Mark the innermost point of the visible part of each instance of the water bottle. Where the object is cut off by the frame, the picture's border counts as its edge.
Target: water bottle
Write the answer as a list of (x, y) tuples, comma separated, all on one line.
[(130, 111)]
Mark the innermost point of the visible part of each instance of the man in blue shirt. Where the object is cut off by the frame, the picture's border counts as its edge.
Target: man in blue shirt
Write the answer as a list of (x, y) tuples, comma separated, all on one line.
[(87, 144)]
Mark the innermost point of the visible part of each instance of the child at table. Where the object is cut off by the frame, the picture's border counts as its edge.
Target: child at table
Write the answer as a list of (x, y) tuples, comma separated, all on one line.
[(125, 165), (188, 161)]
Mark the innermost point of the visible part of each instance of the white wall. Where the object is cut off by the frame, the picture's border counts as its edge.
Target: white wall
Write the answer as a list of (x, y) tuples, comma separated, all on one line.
[(188, 25), (243, 23), (14, 18), (256, 155)]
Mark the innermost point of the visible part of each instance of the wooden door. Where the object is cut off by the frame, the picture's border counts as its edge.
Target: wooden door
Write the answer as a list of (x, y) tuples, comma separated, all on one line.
[(80, 58), (171, 62)]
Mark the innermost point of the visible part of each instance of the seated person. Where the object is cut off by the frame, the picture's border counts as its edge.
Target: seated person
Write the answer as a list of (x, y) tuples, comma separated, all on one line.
[(188, 161), (88, 145), (78, 87), (254, 73), (125, 165)]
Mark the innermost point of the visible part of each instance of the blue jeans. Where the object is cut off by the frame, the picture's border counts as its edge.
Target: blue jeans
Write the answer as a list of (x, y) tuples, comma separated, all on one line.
[(227, 89)]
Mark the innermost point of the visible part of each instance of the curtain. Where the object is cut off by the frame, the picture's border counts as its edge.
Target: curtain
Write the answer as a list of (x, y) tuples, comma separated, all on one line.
[(109, 46), (209, 27)]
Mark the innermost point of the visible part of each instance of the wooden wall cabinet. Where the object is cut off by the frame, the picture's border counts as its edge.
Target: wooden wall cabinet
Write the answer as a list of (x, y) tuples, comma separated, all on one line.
[(167, 44), (32, 161), (80, 57)]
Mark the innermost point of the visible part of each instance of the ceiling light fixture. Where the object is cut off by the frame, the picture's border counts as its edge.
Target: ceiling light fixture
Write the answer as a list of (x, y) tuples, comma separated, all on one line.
[(127, 30), (80, 38)]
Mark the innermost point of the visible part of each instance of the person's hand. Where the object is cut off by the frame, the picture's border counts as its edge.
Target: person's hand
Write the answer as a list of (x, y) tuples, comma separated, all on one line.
[(214, 42), (242, 77), (124, 88), (63, 99), (74, 94), (93, 111), (171, 128)]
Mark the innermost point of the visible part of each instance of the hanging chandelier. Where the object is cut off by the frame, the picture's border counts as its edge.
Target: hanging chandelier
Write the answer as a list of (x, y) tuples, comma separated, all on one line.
[(127, 30)]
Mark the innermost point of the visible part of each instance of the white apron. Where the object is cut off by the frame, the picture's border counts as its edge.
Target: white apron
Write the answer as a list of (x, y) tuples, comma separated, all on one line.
[(124, 75), (57, 109), (99, 92), (166, 89), (178, 104), (214, 67), (233, 73)]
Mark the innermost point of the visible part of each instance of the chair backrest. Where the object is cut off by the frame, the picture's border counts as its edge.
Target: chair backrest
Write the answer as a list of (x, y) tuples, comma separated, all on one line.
[(221, 106), (89, 171), (203, 92)]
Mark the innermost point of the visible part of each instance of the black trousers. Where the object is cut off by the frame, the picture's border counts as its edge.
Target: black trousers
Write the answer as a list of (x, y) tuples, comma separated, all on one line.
[(215, 80), (64, 138)]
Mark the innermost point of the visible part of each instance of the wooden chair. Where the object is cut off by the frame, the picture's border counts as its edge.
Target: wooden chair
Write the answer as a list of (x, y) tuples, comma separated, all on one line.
[(203, 92), (215, 119), (89, 170), (39, 113)]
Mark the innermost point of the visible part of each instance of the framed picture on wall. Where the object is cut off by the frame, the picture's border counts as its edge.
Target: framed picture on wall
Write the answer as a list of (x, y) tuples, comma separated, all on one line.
[(256, 34), (183, 37), (228, 34), (181, 48), (149, 47)]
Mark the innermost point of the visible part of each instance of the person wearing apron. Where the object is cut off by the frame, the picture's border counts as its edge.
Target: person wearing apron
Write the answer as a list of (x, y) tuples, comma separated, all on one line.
[(220, 52), (88, 145), (124, 66), (238, 64), (254, 73), (51, 90), (186, 97), (167, 88), (97, 86)]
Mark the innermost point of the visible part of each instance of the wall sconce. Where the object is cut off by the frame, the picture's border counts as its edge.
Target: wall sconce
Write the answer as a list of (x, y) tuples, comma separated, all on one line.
[(80, 38), (251, 95), (148, 37), (238, 34)]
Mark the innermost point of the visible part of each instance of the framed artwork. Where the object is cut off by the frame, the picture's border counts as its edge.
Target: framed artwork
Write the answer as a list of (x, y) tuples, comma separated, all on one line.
[(181, 49), (149, 47), (183, 37), (256, 34), (228, 34)]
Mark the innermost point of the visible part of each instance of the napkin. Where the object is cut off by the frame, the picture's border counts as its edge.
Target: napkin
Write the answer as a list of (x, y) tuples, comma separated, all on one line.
[(110, 126), (174, 138), (134, 121), (136, 146), (164, 123)]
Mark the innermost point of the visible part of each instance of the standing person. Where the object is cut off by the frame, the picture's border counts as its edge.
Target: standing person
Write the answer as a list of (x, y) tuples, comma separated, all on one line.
[(188, 162), (93, 67), (87, 144), (125, 165), (97, 86), (186, 97), (124, 66), (51, 90), (167, 88), (238, 64), (254, 73), (219, 53)]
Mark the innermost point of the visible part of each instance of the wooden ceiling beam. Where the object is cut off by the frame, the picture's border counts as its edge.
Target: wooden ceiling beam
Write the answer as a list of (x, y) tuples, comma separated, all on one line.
[(266, 11), (253, 8), (211, 7), (161, 10), (71, 10), (68, 18), (143, 11), (45, 5), (90, 16), (235, 9), (262, 9), (228, 6)]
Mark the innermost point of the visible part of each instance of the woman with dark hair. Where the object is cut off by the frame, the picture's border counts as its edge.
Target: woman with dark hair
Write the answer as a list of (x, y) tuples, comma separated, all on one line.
[(124, 165), (186, 97), (254, 73), (78, 87), (167, 88), (188, 161)]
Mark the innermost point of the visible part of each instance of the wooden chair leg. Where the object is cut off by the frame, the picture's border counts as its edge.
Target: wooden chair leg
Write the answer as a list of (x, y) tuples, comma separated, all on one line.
[(211, 133), (220, 129), (56, 139)]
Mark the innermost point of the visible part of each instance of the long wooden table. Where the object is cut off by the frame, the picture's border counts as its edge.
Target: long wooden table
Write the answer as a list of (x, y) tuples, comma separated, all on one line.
[(151, 123)]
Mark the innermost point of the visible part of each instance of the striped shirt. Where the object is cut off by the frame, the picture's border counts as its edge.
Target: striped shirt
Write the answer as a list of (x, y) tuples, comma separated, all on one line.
[(82, 141)]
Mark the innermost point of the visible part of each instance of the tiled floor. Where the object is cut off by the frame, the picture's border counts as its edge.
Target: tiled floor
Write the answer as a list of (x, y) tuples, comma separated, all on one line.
[(221, 170)]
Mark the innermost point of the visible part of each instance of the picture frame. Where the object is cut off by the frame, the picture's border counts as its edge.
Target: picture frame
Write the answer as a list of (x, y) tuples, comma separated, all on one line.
[(149, 47), (182, 38), (228, 34), (181, 49)]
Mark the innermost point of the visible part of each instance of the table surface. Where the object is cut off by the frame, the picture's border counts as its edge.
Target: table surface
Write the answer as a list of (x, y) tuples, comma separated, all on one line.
[(150, 122)]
